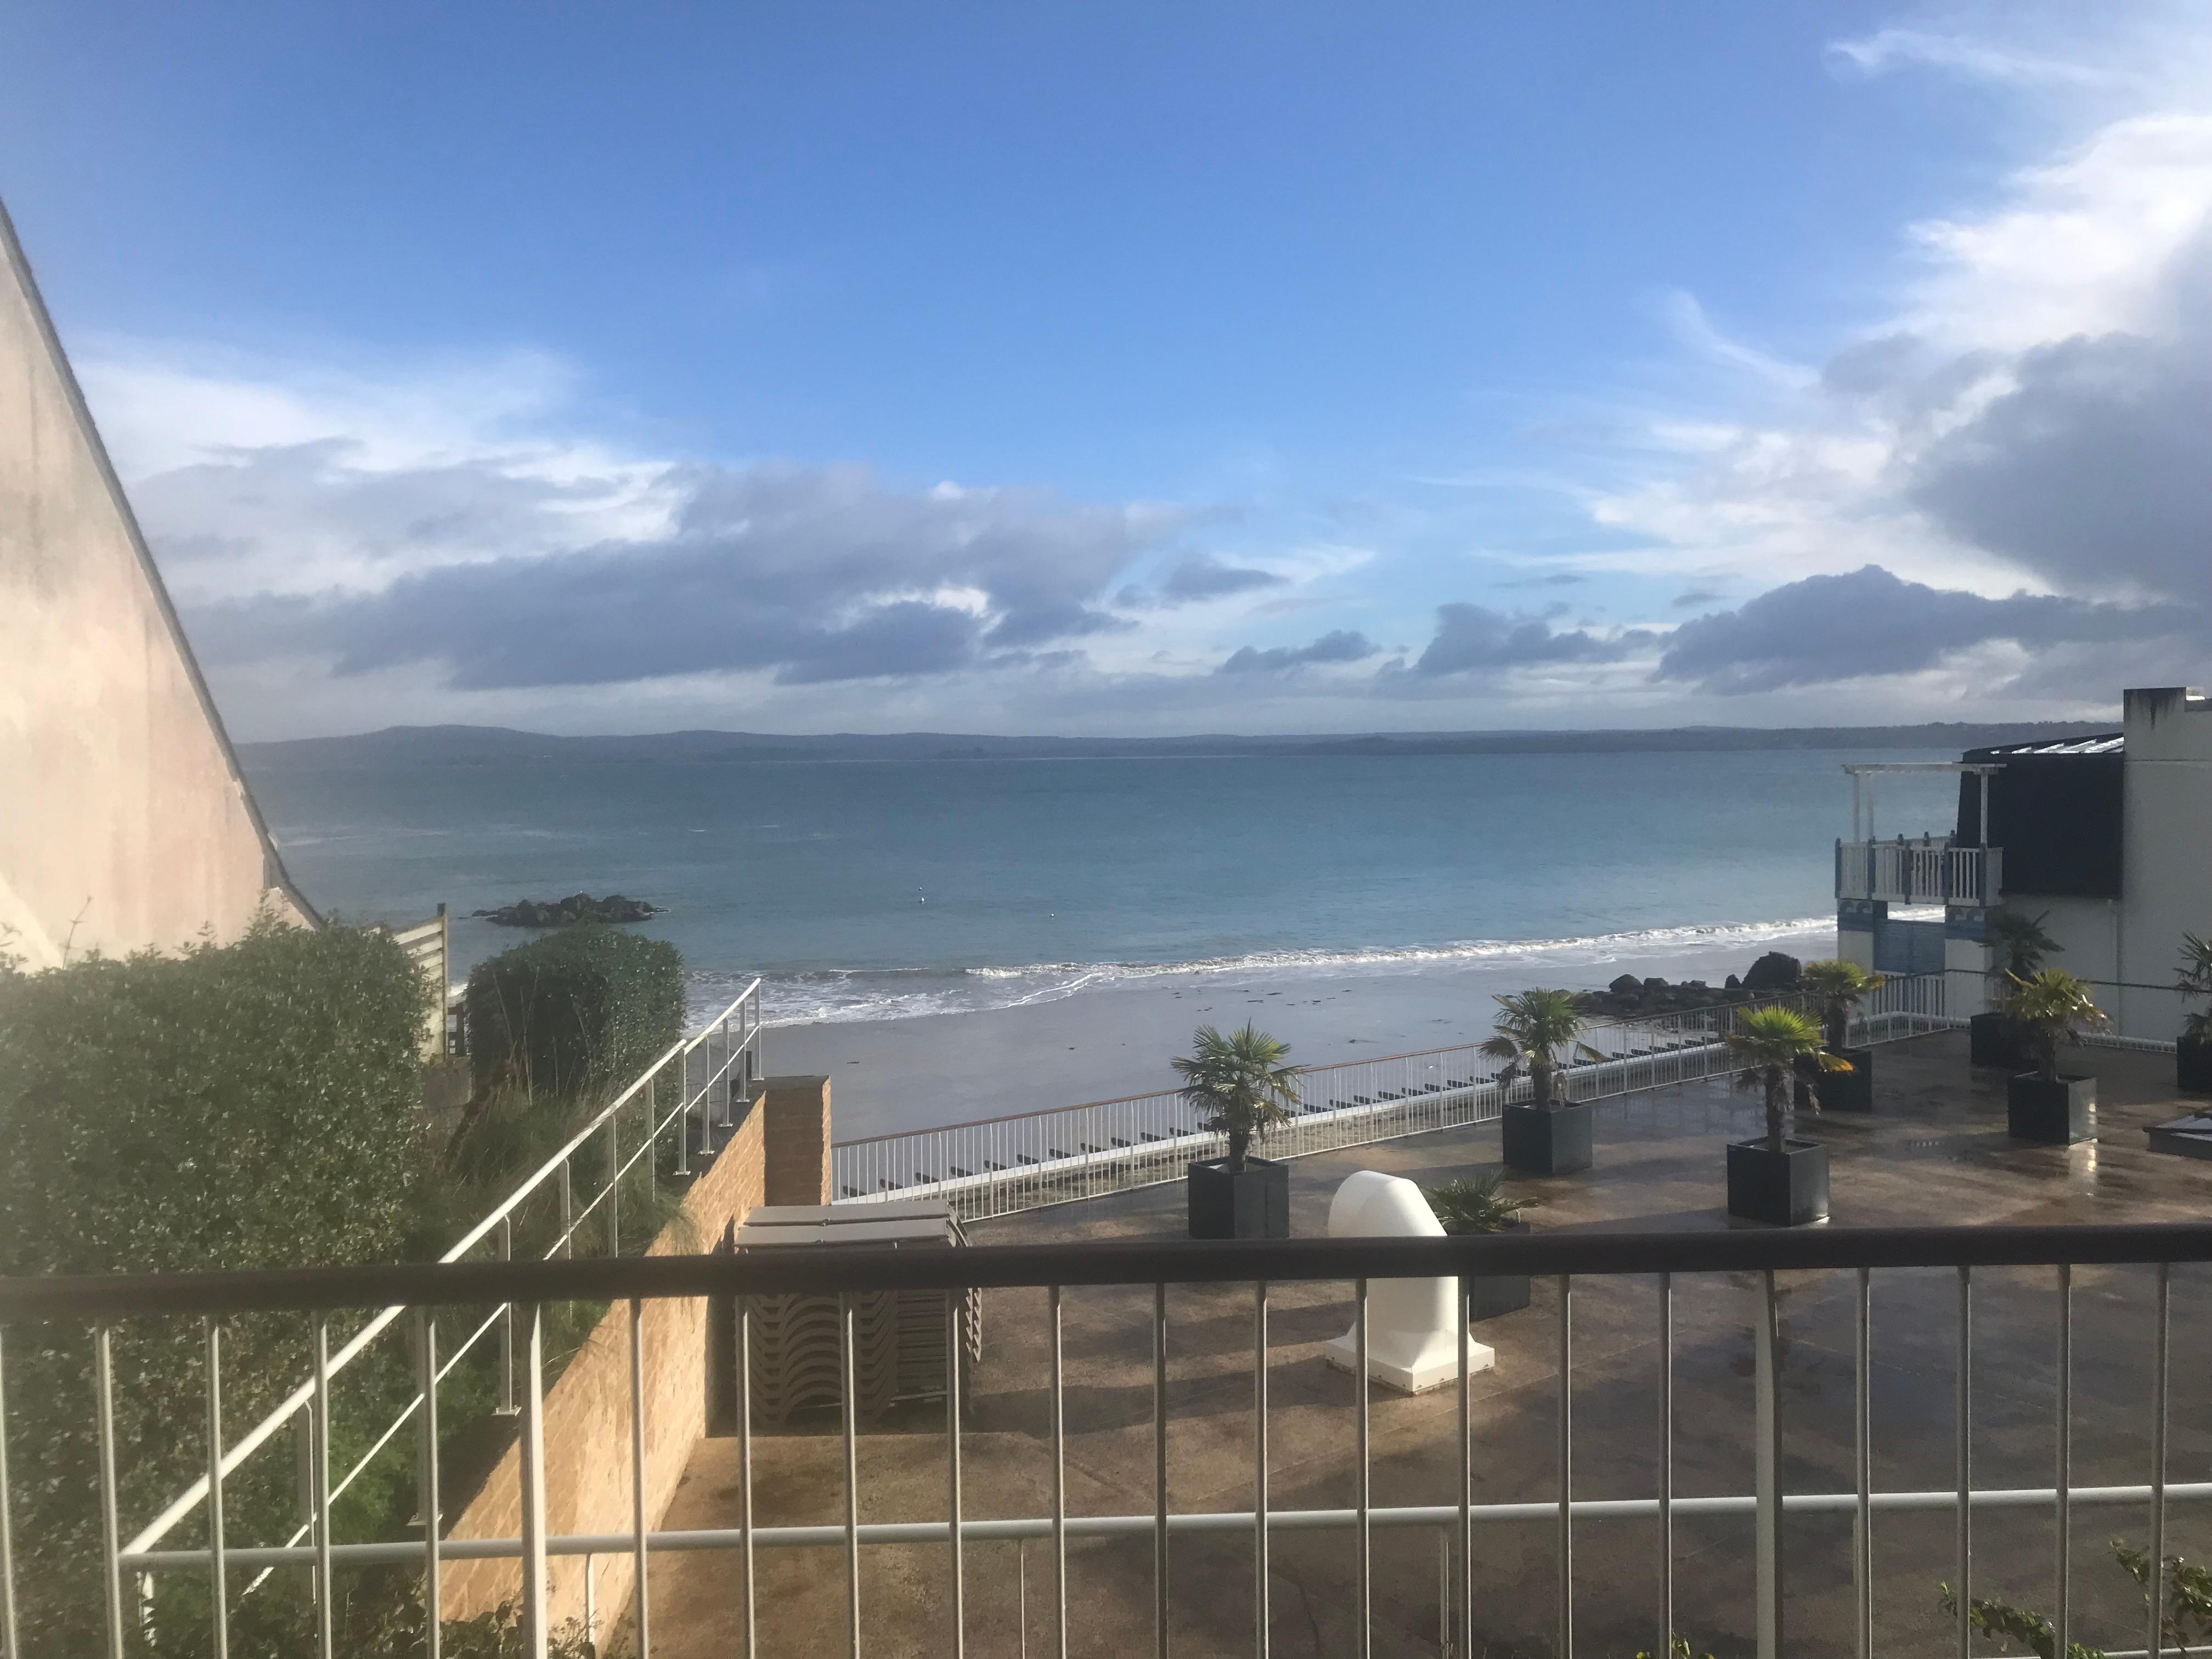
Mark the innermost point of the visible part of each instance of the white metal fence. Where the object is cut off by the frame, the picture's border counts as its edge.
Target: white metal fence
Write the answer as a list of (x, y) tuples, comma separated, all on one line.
[(1929, 869), (1028, 1159), (429, 943), (570, 1206)]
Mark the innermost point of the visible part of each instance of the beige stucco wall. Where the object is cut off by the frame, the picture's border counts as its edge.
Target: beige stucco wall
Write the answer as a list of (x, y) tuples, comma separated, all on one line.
[(125, 822)]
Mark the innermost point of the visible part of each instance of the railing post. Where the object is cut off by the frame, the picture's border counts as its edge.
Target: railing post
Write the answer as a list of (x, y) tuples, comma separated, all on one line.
[(218, 1575), (1768, 1475), (2156, 1577), (318, 1466), (111, 1530), (7, 1530), (2063, 1486), (642, 1599), (426, 1480), (533, 1484), (1566, 1468), (1260, 1595), (506, 1326)]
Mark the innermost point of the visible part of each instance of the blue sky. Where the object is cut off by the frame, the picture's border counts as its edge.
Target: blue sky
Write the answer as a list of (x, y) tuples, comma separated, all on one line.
[(1163, 368)]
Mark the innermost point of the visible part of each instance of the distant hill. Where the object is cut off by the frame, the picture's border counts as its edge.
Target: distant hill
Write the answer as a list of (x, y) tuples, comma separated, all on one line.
[(477, 745)]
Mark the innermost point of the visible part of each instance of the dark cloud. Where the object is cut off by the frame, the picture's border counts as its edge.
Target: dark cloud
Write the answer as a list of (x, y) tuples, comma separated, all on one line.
[(2091, 469), (1557, 579), (1204, 578), (1826, 628), (1342, 645), (1471, 639), (1698, 595), (815, 573)]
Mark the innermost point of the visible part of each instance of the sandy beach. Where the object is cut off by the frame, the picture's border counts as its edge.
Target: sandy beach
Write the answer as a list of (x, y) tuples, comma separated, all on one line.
[(894, 1074)]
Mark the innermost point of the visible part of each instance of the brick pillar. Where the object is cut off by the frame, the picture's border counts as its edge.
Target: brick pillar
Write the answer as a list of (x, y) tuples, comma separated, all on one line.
[(795, 1137)]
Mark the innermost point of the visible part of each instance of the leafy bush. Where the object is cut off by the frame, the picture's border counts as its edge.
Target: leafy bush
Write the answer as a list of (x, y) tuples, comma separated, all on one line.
[(2185, 1613), (574, 1015), (253, 1105)]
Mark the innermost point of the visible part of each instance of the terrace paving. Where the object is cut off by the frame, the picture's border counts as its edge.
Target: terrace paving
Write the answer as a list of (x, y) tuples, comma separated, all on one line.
[(1936, 1151)]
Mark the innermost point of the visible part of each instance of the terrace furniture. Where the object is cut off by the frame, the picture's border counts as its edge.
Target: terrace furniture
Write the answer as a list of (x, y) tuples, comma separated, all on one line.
[(899, 1336)]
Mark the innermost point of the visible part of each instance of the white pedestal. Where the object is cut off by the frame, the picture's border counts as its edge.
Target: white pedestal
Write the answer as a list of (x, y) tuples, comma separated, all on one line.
[(1411, 1373)]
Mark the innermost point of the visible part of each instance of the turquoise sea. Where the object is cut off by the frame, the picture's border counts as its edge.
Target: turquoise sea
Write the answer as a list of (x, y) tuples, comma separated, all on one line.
[(877, 889)]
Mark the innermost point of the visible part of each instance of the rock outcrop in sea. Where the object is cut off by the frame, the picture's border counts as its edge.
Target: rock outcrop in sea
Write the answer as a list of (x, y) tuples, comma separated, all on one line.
[(1629, 997), (569, 912)]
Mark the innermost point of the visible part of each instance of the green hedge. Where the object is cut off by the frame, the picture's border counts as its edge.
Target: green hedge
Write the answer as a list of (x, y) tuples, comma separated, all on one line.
[(575, 1015), (253, 1105)]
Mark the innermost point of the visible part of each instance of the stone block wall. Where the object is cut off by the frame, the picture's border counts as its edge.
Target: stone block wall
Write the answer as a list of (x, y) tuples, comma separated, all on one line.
[(780, 1148)]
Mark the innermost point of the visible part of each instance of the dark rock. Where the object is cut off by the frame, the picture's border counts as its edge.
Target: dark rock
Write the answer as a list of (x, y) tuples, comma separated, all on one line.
[(1777, 970), (1735, 984), (577, 907), (1627, 985), (1655, 986)]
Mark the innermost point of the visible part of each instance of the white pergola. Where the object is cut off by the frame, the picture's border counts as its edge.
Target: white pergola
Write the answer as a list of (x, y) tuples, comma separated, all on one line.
[(1863, 774)]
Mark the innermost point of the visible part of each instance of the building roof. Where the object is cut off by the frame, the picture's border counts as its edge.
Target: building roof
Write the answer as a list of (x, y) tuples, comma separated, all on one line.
[(2108, 743)]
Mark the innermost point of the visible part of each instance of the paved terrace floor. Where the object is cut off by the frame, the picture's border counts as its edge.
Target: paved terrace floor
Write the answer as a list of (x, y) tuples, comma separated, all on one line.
[(1935, 1152)]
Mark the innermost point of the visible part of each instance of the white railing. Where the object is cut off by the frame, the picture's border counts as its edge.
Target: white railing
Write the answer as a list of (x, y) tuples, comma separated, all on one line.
[(1026, 1160), (705, 1077), (428, 945), (1928, 870)]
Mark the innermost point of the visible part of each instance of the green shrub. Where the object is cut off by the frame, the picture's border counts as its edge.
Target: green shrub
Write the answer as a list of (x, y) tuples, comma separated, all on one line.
[(254, 1105), (575, 1015)]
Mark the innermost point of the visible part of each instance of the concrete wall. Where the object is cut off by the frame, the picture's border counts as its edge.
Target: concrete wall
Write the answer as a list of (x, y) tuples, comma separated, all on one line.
[(2132, 944), (125, 821), (779, 1155), (2168, 834)]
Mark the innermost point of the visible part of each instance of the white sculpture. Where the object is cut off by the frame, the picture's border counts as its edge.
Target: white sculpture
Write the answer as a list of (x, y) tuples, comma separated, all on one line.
[(1413, 1324)]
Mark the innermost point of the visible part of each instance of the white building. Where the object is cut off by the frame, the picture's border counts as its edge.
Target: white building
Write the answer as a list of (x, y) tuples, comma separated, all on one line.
[(2108, 839)]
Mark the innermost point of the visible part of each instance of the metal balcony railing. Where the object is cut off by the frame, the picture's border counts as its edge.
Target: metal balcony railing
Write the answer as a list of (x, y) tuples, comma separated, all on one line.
[(2132, 1419), (1026, 1160), (1930, 870), (571, 1203)]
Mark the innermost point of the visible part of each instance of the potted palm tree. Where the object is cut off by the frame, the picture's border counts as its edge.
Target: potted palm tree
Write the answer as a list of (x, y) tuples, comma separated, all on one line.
[(2022, 944), (2045, 1104), (2193, 1053), (1837, 988), (1547, 1136), (1479, 1205), (1240, 1088), (1778, 1178)]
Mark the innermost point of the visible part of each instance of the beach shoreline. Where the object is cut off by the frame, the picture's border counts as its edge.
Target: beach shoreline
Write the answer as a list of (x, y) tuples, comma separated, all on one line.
[(929, 1070)]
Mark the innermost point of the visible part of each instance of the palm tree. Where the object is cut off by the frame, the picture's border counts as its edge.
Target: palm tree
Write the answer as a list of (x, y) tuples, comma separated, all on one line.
[(1839, 988), (1535, 1026), (1239, 1085), (2196, 980), (1476, 1205), (1772, 1045), (2021, 939), (2048, 1008)]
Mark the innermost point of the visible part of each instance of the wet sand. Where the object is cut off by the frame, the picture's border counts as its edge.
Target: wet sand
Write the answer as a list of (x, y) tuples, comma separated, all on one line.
[(888, 1075)]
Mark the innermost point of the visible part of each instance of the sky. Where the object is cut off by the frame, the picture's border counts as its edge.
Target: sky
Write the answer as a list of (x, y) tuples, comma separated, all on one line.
[(1144, 368)]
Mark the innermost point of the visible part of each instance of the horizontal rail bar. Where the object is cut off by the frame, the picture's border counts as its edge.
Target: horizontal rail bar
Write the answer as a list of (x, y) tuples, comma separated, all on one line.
[(75, 1298), (1239, 1521)]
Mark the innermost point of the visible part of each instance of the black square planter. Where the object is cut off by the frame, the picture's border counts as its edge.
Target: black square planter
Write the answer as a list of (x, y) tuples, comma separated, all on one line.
[(2055, 1113), (1554, 1140), (1788, 1188), (1493, 1294), (2192, 1066), (1993, 1040), (1253, 1203), (1852, 1090)]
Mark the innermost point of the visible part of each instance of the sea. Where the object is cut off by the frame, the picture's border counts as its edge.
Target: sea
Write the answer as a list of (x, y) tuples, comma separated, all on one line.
[(869, 891)]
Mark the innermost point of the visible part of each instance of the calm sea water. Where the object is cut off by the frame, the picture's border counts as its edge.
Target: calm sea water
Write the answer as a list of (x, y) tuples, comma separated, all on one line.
[(875, 889)]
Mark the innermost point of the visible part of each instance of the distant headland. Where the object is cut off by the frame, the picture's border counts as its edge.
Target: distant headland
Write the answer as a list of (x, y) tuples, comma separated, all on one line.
[(479, 745)]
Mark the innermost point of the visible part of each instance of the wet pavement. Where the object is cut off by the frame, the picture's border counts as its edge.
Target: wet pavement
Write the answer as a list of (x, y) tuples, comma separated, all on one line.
[(1935, 1152)]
